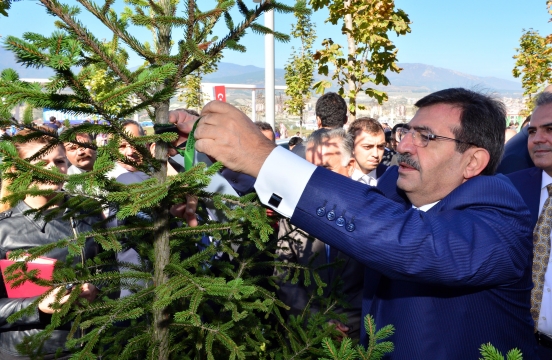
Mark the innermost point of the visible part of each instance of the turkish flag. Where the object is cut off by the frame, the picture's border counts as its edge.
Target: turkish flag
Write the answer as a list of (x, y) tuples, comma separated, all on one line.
[(220, 93)]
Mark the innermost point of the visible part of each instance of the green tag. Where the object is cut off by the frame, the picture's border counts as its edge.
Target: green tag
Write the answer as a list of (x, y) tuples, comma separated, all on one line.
[(189, 152)]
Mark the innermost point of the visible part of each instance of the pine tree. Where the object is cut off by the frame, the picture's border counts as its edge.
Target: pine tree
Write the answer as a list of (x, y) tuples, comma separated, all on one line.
[(188, 301)]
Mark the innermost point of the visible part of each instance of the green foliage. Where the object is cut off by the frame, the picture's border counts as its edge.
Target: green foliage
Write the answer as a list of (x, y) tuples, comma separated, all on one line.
[(370, 52), (489, 352), (300, 67), (188, 300), (376, 347), (533, 65)]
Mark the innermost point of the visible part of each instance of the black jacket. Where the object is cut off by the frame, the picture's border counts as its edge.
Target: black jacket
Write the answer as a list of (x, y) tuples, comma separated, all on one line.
[(19, 231)]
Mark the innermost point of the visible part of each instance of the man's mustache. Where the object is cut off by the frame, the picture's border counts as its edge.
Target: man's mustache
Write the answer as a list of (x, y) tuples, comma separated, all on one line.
[(405, 158)]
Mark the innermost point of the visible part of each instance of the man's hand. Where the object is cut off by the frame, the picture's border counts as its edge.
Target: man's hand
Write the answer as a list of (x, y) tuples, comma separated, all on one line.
[(342, 328), (186, 211), (184, 121), (229, 136), (88, 292)]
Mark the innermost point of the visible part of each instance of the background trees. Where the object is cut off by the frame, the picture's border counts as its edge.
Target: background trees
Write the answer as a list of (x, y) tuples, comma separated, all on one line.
[(533, 65), (370, 52), (300, 67)]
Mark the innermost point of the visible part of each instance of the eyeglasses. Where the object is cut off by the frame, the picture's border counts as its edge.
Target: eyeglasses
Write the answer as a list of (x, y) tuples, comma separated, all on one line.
[(421, 137)]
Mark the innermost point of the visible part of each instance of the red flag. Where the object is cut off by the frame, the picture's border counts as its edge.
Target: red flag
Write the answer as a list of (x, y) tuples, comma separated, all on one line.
[(220, 93)]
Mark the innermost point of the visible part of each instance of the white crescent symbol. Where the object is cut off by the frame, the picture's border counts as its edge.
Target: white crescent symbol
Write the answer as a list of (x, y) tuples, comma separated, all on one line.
[(220, 96)]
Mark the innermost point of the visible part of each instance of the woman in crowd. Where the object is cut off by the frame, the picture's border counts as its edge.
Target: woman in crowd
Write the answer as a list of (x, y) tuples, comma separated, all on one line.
[(19, 231)]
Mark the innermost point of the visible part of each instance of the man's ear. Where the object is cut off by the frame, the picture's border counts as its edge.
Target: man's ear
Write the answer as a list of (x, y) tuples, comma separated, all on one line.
[(319, 122), (478, 159), (351, 166)]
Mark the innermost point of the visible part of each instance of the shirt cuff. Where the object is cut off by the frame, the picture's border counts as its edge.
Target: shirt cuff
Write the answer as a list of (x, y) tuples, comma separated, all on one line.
[(282, 179)]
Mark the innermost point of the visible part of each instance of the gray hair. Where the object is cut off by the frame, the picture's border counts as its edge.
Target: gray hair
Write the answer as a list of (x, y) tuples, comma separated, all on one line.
[(544, 98), (133, 122), (320, 136)]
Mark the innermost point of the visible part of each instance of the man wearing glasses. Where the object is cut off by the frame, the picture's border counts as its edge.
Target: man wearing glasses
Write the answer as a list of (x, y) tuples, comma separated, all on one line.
[(446, 246)]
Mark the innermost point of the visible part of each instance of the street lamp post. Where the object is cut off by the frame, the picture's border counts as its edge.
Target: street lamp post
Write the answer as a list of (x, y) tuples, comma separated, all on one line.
[(269, 68)]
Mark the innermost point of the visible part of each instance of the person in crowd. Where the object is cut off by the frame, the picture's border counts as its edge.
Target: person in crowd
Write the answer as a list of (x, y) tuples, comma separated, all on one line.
[(331, 113), (368, 150), (508, 134), (516, 156), (81, 158), (386, 127), (283, 131), (390, 153), (61, 127), (52, 123), (133, 128), (266, 129), (294, 141), (331, 149), (535, 186), (13, 130), (18, 231), (440, 243)]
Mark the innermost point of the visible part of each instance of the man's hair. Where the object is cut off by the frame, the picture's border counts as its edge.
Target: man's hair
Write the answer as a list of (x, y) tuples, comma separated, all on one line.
[(295, 140), (332, 110), (52, 118), (544, 98), (482, 121), (367, 124), (264, 126), (132, 122), (320, 136)]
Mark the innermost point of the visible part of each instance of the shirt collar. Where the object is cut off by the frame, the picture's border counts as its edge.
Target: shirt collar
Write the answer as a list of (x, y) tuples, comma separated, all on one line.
[(357, 174), (546, 180), (425, 207)]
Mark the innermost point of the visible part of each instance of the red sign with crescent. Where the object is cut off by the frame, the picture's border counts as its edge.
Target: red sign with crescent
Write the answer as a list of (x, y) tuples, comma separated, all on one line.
[(220, 93)]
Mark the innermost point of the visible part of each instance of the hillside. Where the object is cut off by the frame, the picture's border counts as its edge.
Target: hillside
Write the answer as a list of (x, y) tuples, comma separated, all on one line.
[(420, 78)]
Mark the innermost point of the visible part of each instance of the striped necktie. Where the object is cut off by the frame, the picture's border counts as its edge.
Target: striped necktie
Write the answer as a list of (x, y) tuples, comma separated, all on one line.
[(541, 254)]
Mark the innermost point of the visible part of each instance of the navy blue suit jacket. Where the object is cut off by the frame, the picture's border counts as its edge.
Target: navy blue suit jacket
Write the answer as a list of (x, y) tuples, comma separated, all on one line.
[(449, 279), (528, 183), (516, 155)]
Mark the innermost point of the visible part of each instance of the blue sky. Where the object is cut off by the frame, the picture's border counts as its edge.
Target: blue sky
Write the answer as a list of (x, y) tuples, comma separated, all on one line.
[(476, 37)]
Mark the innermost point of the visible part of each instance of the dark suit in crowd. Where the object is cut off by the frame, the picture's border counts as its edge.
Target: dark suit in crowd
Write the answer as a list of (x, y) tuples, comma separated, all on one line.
[(516, 156), (295, 246)]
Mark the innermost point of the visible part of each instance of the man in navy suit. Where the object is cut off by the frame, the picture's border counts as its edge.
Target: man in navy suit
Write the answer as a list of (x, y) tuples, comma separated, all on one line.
[(531, 184), (446, 247)]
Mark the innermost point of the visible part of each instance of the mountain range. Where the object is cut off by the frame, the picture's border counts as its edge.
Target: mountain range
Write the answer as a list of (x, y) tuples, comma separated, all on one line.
[(418, 78)]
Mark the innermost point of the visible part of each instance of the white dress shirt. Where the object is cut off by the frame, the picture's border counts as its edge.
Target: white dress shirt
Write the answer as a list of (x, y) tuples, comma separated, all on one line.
[(545, 315), (368, 179), (73, 170)]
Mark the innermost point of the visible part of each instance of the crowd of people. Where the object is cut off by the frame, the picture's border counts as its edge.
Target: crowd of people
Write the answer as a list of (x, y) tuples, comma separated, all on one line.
[(440, 228)]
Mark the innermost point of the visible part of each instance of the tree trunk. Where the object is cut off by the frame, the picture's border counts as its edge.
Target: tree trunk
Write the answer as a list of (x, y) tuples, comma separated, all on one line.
[(351, 47), (162, 251)]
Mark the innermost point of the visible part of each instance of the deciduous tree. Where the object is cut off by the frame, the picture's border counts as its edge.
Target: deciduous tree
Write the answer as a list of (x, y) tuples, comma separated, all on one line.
[(370, 52), (533, 64), (300, 67)]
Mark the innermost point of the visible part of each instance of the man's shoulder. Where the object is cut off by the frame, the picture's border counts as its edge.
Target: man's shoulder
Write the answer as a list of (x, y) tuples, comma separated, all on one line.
[(494, 191), (524, 174)]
